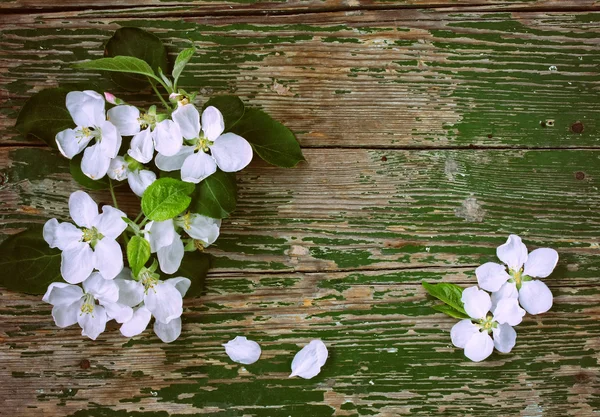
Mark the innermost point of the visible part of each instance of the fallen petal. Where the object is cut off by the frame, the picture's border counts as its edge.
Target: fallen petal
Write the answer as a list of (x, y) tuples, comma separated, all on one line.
[(308, 362), (242, 350)]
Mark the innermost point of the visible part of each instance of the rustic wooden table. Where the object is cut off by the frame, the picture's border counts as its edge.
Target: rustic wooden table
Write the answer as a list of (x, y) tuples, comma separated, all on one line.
[(432, 130)]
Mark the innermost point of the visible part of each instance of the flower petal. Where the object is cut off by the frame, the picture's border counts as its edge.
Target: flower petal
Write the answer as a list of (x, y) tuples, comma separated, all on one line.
[(170, 257), (188, 120), (212, 123), (182, 284), (125, 118), (242, 350), (119, 312), (65, 315), (110, 223), (86, 107), (479, 347), (95, 163), (508, 311), (168, 332), (167, 138), (175, 162), (140, 180), (462, 332), (505, 338), (109, 258), (61, 294), (83, 209), (70, 142), (507, 290), (540, 263), (103, 290), (61, 235), (118, 169), (138, 322), (477, 302), (535, 297), (513, 253), (491, 276), (77, 262), (159, 234), (93, 323), (141, 147), (231, 152), (164, 302), (308, 362), (202, 228), (131, 292), (111, 139), (197, 167)]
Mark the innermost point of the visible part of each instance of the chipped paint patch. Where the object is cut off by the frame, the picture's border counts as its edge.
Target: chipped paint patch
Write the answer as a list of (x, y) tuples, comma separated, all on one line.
[(470, 210)]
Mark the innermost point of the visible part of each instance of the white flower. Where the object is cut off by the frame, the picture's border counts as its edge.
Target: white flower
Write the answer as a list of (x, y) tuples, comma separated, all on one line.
[(161, 299), (90, 246), (242, 350), (534, 296), (139, 179), (228, 151), (475, 338), (87, 110), (74, 305), (308, 362), (149, 132), (167, 244)]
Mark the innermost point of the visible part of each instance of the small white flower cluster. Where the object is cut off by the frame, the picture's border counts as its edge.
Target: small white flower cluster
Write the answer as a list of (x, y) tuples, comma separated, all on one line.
[(306, 364), (192, 143), (512, 294), (92, 257)]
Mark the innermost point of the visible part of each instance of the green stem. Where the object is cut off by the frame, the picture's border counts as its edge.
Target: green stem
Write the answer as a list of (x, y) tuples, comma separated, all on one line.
[(139, 216), (160, 96), (112, 194)]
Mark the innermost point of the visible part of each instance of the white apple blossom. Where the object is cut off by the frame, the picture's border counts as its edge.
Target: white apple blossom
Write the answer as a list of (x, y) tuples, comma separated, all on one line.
[(126, 168), (166, 242), (90, 246), (228, 151), (475, 338), (308, 362), (533, 295), (242, 350), (74, 305), (149, 130), (161, 299), (87, 110)]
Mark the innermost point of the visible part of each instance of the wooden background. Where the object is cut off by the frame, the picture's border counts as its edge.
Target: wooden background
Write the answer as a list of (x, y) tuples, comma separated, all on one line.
[(431, 129)]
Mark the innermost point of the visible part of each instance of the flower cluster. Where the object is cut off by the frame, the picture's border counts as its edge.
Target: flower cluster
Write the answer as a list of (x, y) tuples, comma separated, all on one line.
[(493, 315)]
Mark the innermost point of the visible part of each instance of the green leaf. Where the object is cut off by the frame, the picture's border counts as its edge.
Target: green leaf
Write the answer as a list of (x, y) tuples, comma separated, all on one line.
[(194, 266), (232, 108), (138, 253), (216, 196), (452, 312), (271, 140), (138, 43), (448, 293), (166, 198), (181, 61), (126, 64), (84, 180), (27, 263), (44, 115)]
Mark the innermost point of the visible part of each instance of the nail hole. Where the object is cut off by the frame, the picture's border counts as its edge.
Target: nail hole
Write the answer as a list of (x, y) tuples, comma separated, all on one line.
[(577, 127), (490, 136), (384, 158), (579, 175), (84, 364)]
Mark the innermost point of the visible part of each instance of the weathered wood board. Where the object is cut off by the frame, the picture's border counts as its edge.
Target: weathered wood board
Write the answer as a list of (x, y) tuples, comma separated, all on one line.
[(427, 142)]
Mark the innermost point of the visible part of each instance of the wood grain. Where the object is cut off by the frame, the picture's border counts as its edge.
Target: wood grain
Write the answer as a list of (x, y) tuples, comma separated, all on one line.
[(437, 79)]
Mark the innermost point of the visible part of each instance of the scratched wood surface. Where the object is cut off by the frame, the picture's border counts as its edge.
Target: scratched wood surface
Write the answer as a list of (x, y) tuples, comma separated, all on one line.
[(430, 134)]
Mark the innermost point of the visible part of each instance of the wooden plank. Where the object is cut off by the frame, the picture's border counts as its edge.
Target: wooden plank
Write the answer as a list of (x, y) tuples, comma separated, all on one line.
[(390, 354), (367, 209), (271, 6), (437, 79)]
